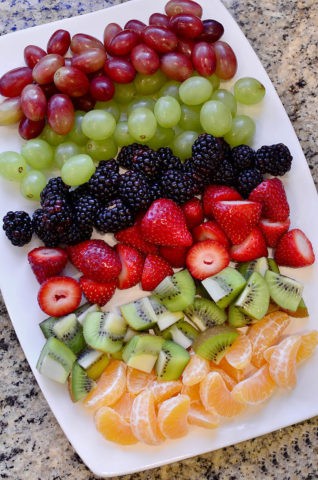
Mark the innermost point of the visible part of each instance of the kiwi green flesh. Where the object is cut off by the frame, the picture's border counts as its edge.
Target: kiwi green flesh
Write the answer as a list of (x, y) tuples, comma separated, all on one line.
[(225, 286), (142, 351), (259, 265), (300, 312), (69, 331), (97, 368), (284, 291), (171, 361), (214, 342), (139, 315), (272, 265), (88, 357), (55, 360), (183, 333), (254, 300), (97, 334), (47, 326), (80, 384), (236, 318), (176, 292), (205, 313)]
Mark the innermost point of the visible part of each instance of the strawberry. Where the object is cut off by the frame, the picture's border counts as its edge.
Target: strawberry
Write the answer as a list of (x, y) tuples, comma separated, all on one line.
[(216, 193), (193, 212), (175, 256), (133, 236), (132, 263), (75, 252), (294, 249), (47, 262), (272, 230), (210, 230), (207, 258), (97, 292), (59, 296), (237, 218), (154, 271), (271, 194), (254, 246), (164, 224)]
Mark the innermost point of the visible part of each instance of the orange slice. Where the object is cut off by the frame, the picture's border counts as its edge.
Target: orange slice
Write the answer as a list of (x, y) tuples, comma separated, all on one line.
[(309, 342), (123, 406), (230, 374), (143, 419), (173, 416), (217, 398), (282, 363), (255, 389), (240, 352), (201, 418), (196, 370), (193, 392), (162, 390), (114, 427), (137, 380)]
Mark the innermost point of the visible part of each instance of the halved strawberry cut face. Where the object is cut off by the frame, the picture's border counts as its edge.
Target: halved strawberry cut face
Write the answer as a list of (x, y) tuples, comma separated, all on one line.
[(59, 296), (294, 249), (207, 258)]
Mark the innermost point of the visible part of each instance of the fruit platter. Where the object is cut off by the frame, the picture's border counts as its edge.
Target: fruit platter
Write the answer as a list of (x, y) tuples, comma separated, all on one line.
[(156, 232)]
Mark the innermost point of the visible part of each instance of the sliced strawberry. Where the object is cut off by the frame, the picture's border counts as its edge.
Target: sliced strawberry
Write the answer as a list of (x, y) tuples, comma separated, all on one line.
[(271, 194), (97, 292), (154, 271), (210, 230), (193, 212), (75, 252), (59, 296), (207, 258), (133, 236), (164, 224), (254, 246), (216, 193), (294, 249), (132, 263), (47, 262), (272, 230), (237, 218), (175, 256)]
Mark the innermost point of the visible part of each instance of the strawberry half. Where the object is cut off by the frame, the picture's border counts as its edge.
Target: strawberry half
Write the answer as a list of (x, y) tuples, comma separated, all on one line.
[(175, 256), (207, 258), (193, 212), (47, 262), (133, 236), (272, 230), (271, 194), (132, 263), (254, 246), (154, 271), (294, 249), (97, 292), (59, 296), (210, 230), (75, 252), (216, 193)]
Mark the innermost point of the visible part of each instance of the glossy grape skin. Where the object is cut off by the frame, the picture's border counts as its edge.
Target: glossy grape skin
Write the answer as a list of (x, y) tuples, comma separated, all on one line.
[(33, 102), (137, 102), (43, 72), (167, 112), (136, 26), (32, 54), (122, 136), (212, 31), (82, 41), (204, 59), (89, 61), (110, 31), (124, 92), (13, 82), (160, 39), (249, 91), (122, 43), (195, 90), (242, 131), (111, 106), (59, 42), (226, 62), (51, 137), (186, 46), (102, 150), (215, 81), (13, 166), (38, 154), (170, 88), (145, 59), (176, 66), (190, 118), (66, 150), (149, 84), (182, 144), (85, 102), (76, 134), (159, 19), (161, 138), (186, 25), (142, 124), (227, 98), (102, 88), (174, 7), (10, 111), (77, 170), (71, 81), (60, 113), (98, 125), (216, 118), (119, 70), (32, 184), (30, 129)]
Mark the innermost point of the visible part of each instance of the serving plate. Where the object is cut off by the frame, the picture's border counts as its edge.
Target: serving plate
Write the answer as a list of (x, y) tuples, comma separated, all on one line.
[(19, 287)]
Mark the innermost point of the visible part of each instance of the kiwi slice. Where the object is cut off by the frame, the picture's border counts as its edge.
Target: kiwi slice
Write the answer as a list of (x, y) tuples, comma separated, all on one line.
[(205, 313), (139, 314), (141, 352), (254, 300), (183, 333), (56, 360), (300, 312), (47, 324), (176, 292), (104, 331), (93, 361), (79, 383), (225, 286), (81, 314), (213, 343), (285, 291), (259, 265), (272, 265), (236, 318), (165, 318), (69, 331), (172, 360)]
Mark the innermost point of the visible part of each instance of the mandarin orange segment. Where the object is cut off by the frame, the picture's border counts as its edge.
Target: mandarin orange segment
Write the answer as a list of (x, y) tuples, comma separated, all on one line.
[(173, 416), (196, 370), (201, 418), (265, 333), (137, 380), (230, 374), (162, 390), (193, 392), (309, 342), (114, 427), (282, 363), (217, 398), (255, 389), (123, 406), (143, 419), (240, 352), (109, 388)]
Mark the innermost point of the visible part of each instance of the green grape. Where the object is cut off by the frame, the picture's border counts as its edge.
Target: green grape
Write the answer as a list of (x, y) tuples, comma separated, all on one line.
[(190, 118), (12, 166), (98, 124), (216, 118), (149, 84), (147, 102), (77, 170), (162, 138), (52, 137), (76, 135), (122, 136), (142, 124), (242, 131), (248, 90), (64, 151), (170, 88), (227, 98), (215, 81), (167, 112), (124, 92), (195, 90), (111, 106), (32, 184), (38, 153), (101, 150), (182, 144)]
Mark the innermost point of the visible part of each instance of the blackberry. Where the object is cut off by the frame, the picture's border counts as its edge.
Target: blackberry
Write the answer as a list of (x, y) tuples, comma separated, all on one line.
[(126, 154), (178, 185), (42, 228), (134, 190), (146, 161), (226, 149), (55, 186), (168, 160), (79, 192), (243, 157), (18, 227), (57, 213), (200, 181), (247, 180), (113, 217), (155, 191), (226, 174), (281, 160), (85, 209), (207, 154), (103, 184), (263, 158), (76, 233)]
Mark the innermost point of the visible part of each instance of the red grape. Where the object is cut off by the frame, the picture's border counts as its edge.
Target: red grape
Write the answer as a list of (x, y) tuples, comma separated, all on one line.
[(84, 103), (13, 82), (226, 62), (174, 7), (160, 39), (185, 46), (89, 61), (186, 25), (159, 19), (33, 102), (119, 70), (135, 25), (60, 113), (102, 88), (144, 59), (59, 42), (110, 31), (30, 129), (176, 66), (204, 59), (49, 89), (43, 71), (32, 54), (212, 31), (72, 81), (82, 41), (10, 111), (122, 43)]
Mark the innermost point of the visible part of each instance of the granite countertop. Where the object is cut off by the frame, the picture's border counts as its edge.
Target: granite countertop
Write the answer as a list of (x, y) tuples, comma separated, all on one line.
[(33, 446)]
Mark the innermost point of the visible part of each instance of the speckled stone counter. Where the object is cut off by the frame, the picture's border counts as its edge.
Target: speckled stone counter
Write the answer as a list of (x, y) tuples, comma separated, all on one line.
[(33, 446)]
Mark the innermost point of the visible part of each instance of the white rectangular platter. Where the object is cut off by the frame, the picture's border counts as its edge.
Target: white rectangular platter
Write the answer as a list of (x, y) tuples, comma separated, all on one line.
[(19, 287)]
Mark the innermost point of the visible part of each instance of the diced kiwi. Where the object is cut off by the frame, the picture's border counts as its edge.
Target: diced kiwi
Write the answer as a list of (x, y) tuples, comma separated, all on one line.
[(69, 331), (225, 286), (55, 360), (183, 333), (81, 314), (285, 291), (272, 265), (47, 326), (79, 383), (104, 331), (93, 361), (254, 300), (139, 314), (214, 342), (237, 318), (141, 352), (165, 318), (97, 368), (176, 292), (172, 360), (205, 313), (259, 265), (300, 312)]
